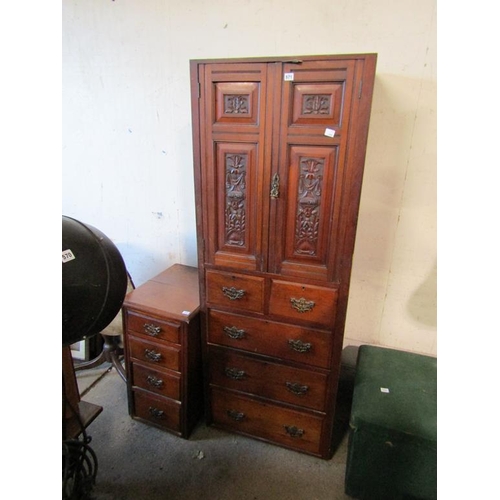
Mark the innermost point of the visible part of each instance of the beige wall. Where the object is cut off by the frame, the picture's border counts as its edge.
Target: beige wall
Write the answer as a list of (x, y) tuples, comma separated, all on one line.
[(127, 163)]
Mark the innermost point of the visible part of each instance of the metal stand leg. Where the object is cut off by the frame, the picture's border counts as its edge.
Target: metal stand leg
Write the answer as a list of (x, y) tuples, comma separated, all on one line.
[(111, 353)]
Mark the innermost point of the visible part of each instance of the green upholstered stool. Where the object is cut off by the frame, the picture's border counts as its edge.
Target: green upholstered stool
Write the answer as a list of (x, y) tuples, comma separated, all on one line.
[(392, 451)]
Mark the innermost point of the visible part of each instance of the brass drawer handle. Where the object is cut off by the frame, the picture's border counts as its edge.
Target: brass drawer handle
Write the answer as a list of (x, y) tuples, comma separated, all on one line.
[(302, 305), (151, 329), (152, 355), (154, 382), (237, 416), (299, 346), (234, 333), (293, 431), (234, 373), (296, 388), (156, 413), (232, 293)]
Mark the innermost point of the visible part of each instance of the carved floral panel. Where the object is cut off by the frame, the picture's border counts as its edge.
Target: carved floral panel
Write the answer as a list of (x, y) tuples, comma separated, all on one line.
[(308, 206), (235, 210)]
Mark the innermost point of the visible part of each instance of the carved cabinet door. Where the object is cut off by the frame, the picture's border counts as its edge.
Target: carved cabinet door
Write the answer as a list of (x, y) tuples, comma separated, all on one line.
[(315, 118), (235, 105)]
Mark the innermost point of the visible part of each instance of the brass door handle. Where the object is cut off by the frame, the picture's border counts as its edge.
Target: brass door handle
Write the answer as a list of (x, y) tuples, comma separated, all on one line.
[(275, 187)]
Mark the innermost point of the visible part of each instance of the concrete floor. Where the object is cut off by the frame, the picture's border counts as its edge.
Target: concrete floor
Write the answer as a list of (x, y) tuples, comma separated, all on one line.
[(136, 461)]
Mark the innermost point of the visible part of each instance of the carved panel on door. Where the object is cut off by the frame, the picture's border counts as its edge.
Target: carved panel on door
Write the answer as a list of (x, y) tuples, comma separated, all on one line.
[(318, 104), (236, 194), (237, 102), (309, 204)]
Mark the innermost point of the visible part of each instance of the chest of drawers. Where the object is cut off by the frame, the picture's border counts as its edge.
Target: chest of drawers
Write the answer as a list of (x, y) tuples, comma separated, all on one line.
[(270, 376), (162, 350)]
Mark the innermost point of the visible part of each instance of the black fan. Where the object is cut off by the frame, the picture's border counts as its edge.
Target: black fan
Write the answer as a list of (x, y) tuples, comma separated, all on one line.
[(94, 284)]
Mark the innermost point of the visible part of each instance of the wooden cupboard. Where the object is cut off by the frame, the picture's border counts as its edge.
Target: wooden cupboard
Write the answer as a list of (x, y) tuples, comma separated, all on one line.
[(279, 150)]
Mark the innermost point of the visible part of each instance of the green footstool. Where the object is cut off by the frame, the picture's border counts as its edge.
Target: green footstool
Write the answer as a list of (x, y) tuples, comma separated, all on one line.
[(393, 426)]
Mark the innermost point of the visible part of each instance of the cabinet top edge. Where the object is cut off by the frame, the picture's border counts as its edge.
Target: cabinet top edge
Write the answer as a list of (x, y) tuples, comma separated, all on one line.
[(285, 59)]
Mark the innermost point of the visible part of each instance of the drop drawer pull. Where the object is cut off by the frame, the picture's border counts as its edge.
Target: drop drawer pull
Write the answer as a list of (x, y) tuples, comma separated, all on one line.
[(302, 305), (152, 355), (233, 332), (151, 329), (156, 413), (154, 382), (237, 416), (299, 346), (232, 293), (293, 431), (296, 388), (234, 373)]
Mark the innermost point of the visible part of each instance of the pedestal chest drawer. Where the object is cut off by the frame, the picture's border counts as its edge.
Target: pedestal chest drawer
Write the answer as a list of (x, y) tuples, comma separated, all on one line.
[(280, 340), (153, 327), (159, 411), (290, 428), (297, 386), (157, 354), (160, 382)]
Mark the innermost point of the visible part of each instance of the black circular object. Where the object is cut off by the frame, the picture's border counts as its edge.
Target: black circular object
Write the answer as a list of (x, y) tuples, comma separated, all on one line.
[(94, 281)]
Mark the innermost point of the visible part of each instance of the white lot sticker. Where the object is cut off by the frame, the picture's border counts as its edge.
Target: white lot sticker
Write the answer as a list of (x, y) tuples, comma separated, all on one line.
[(186, 313), (329, 132), (67, 255), (384, 389), (288, 77)]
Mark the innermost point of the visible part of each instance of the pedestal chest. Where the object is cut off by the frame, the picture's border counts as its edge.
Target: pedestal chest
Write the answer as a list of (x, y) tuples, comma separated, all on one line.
[(162, 350)]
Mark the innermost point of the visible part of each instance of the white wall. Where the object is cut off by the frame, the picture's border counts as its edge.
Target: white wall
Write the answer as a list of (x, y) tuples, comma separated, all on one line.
[(127, 161)]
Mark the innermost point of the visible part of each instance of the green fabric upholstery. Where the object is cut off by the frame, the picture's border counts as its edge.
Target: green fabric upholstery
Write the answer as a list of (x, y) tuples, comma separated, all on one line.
[(393, 426)]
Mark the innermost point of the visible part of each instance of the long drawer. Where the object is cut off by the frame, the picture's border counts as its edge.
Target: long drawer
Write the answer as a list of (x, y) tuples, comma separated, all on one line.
[(279, 340), (159, 411), (284, 426), (300, 387), (163, 356), (160, 382)]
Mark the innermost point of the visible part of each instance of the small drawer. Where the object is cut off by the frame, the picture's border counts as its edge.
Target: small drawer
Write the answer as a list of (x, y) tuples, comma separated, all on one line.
[(270, 338), (303, 302), (160, 411), (153, 327), (159, 382), (305, 388), (236, 291), (155, 354), (284, 426)]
